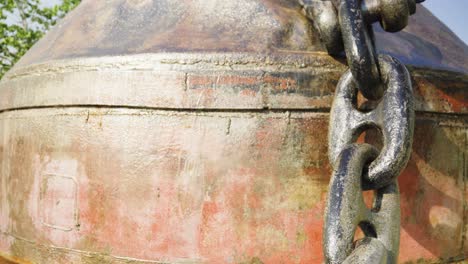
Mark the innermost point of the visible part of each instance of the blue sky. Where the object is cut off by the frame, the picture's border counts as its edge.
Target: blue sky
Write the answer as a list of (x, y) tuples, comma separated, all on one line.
[(452, 12)]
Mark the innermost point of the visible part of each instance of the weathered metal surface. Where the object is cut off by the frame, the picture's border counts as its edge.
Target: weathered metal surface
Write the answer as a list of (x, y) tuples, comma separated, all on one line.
[(211, 187), (360, 167), (217, 155), (208, 81), (380, 78), (346, 211), (100, 28), (393, 115), (324, 17), (360, 51)]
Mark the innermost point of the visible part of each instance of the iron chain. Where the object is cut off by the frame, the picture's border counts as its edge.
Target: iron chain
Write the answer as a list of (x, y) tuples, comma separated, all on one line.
[(359, 167), (347, 25)]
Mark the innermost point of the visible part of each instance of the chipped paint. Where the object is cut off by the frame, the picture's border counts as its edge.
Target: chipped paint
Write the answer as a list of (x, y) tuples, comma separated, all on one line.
[(241, 196), (207, 156)]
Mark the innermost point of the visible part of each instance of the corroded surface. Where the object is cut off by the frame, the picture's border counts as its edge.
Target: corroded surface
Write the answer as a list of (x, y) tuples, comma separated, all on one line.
[(122, 27), (187, 158), (208, 81), (213, 148), (211, 187)]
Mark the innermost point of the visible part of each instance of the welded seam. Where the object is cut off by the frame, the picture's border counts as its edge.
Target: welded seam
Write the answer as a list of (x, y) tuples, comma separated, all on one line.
[(264, 110), (170, 109), (150, 62), (317, 61)]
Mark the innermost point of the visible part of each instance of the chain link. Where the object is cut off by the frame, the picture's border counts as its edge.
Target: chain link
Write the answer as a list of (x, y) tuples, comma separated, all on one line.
[(346, 211), (360, 49), (347, 25), (359, 167), (393, 116)]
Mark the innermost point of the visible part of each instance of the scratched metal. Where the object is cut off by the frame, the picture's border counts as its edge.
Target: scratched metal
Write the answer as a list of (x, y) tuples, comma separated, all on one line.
[(210, 147), (393, 116), (346, 210)]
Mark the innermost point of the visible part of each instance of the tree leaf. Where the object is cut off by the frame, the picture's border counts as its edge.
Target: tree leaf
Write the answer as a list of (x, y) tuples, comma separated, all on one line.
[(34, 20)]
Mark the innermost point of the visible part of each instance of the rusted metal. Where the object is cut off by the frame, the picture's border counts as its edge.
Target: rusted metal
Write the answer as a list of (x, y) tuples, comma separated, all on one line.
[(201, 137)]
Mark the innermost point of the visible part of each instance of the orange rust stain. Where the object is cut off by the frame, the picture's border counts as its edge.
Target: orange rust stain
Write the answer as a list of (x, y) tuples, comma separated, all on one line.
[(209, 208), (238, 80), (248, 92), (313, 252), (229, 229), (416, 203), (202, 81), (238, 217), (281, 83), (457, 105), (434, 92), (368, 198)]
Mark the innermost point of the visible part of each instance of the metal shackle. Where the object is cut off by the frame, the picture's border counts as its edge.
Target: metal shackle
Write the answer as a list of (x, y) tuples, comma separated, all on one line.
[(392, 14), (325, 20), (347, 24)]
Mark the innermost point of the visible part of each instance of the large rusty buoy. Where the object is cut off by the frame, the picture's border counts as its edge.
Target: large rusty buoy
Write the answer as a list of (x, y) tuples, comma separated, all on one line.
[(172, 131)]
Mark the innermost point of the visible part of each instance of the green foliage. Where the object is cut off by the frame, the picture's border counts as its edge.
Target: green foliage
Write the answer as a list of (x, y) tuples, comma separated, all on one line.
[(22, 23)]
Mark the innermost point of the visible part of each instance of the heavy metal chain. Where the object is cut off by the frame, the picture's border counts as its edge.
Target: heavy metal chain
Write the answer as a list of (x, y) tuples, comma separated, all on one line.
[(347, 25)]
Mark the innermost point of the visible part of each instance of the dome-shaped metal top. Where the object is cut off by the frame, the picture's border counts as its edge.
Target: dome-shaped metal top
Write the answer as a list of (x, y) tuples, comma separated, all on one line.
[(122, 27)]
